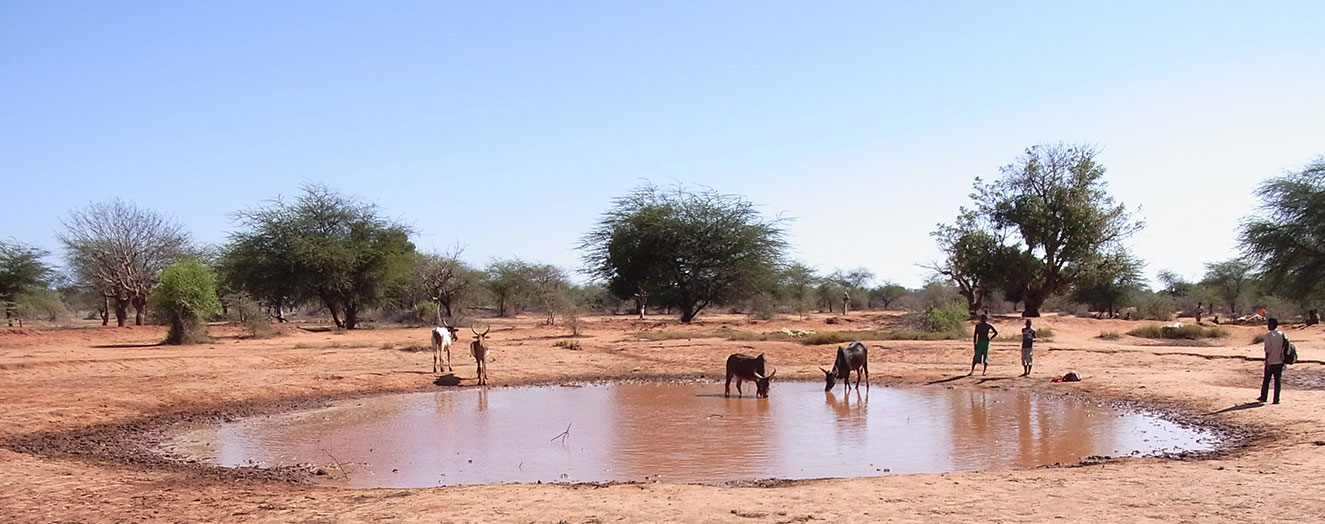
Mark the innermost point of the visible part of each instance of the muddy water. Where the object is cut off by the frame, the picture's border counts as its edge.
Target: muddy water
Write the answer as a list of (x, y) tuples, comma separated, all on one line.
[(680, 433)]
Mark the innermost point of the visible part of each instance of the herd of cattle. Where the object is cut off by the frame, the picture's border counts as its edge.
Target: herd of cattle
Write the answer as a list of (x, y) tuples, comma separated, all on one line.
[(854, 357)]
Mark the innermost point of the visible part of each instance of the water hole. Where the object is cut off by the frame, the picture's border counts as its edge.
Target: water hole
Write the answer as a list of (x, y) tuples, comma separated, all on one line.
[(680, 433)]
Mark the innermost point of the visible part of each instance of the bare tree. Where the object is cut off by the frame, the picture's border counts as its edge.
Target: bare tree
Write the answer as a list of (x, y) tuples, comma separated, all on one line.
[(443, 278), (119, 249)]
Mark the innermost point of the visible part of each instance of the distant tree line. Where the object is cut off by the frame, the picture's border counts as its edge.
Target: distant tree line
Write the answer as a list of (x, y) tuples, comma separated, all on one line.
[(1044, 235)]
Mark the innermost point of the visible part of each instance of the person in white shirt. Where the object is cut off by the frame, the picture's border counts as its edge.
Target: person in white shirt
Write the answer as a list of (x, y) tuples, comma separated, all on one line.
[(1274, 359)]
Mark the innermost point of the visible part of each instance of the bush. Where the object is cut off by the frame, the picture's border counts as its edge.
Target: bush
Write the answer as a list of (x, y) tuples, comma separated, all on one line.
[(1044, 333), (1185, 331), (186, 296), (762, 306), (573, 345), (949, 318), (1155, 307), (1258, 339), (1110, 335)]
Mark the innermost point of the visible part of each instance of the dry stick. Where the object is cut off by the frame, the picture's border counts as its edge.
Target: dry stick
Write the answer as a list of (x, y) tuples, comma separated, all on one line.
[(562, 435), (338, 466)]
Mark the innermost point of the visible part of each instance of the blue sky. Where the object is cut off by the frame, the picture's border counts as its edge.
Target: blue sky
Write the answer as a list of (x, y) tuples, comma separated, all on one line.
[(508, 127)]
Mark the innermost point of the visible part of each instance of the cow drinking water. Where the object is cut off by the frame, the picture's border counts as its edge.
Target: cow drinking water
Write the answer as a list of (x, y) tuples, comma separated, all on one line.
[(853, 357), (746, 367)]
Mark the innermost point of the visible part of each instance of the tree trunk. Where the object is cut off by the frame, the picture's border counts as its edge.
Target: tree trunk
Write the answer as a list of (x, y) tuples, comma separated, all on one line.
[(121, 312), (1033, 302), (351, 317), (280, 312), (105, 311), (139, 307)]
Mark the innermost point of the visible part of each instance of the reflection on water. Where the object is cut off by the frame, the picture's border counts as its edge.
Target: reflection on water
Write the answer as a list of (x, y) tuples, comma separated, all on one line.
[(682, 433)]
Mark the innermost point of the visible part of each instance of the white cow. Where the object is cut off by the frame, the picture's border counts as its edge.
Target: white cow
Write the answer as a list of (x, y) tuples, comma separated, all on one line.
[(442, 339)]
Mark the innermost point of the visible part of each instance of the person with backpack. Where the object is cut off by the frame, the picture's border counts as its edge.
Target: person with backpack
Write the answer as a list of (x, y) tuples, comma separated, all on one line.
[(1275, 345)]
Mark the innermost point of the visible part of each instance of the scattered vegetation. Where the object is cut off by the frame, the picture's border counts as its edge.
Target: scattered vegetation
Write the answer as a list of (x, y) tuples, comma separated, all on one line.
[(1186, 331), (1044, 333), (1258, 339), (1110, 335)]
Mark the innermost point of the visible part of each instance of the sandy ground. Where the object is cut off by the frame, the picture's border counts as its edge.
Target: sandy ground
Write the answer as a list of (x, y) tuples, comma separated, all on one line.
[(77, 404)]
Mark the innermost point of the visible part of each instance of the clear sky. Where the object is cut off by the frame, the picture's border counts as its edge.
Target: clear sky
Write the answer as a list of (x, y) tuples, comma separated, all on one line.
[(508, 127)]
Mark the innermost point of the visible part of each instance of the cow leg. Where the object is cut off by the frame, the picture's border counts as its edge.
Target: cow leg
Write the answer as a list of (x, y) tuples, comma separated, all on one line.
[(866, 369), (435, 358), (448, 360), (727, 389), (738, 387)]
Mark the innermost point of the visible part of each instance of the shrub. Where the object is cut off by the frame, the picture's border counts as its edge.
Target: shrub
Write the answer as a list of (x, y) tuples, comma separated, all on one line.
[(1044, 333), (762, 306), (1258, 339), (1186, 331), (1155, 307), (949, 318), (186, 296), (573, 345), (1110, 335)]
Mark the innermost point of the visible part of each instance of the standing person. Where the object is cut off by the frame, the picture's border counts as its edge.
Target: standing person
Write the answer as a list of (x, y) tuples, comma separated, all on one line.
[(846, 302), (1199, 310), (1274, 359), (984, 332), (1027, 339)]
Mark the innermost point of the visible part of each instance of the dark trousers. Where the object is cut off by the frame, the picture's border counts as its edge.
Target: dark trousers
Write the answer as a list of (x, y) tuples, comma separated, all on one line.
[(1276, 371)]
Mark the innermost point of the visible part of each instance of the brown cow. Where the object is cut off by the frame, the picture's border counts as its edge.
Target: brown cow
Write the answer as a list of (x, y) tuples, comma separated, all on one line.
[(746, 367)]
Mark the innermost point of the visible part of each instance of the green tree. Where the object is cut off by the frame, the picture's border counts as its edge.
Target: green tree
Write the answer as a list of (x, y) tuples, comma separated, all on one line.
[(1107, 286), (796, 285), (688, 248), (21, 272), (885, 294), (972, 254), (186, 297), (511, 283), (1053, 201), (1229, 281), (119, 250), (322, 246), (1286, 242)]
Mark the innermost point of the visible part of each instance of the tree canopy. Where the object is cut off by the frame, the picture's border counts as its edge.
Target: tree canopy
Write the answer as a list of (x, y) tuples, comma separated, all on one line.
[(1287, 240), (1052, 205), (322, 246), (22, 271), (685, 248), (119, 250), (186, 297)]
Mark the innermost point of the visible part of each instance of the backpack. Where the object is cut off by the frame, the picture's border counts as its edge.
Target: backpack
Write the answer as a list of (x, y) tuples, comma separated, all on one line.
[(1290, 352)]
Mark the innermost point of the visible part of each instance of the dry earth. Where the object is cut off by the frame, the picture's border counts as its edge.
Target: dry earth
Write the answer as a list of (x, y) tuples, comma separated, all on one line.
[(79, 406)]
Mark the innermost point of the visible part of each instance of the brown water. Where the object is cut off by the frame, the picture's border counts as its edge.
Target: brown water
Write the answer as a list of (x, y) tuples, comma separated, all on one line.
[(681, 433)]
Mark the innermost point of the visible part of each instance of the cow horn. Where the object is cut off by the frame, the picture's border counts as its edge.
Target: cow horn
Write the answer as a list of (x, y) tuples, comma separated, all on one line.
[(770, 375), (826, 372)]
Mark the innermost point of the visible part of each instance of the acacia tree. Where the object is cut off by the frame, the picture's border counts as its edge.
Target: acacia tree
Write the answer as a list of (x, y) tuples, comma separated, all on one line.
[(511, 284), (688, 248), (119, 249), (21, 271), (886, 294), (1053, 201), (444, 278), (1108, 285), (322, 246), (1287, 241), (1228, 280), (796, 284)]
